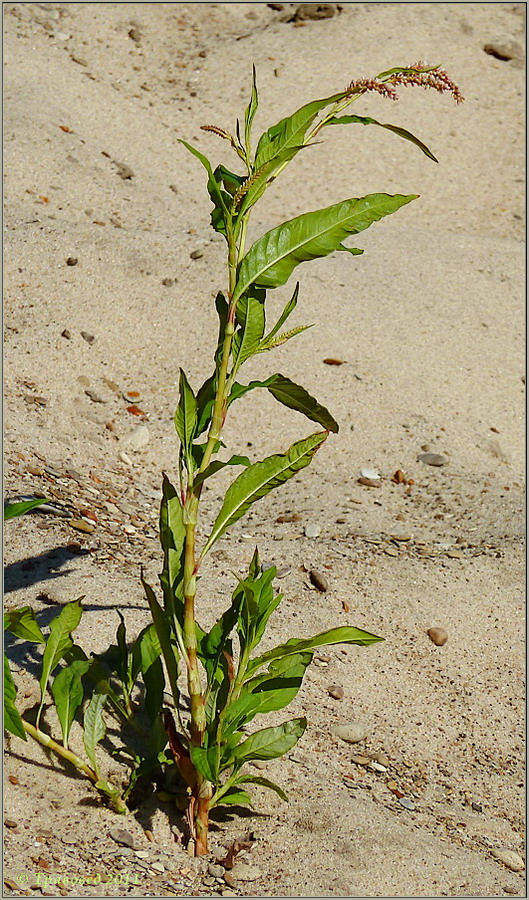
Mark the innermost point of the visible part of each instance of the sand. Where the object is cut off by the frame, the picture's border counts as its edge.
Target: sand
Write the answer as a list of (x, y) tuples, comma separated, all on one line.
[(429, 324)]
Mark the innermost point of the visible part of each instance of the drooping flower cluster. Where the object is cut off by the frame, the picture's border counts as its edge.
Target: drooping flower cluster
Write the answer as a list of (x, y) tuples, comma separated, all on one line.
[(417, 74)]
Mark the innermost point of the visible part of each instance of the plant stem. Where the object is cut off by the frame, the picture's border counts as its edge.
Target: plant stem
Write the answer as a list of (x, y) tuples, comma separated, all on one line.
[(48, 742)]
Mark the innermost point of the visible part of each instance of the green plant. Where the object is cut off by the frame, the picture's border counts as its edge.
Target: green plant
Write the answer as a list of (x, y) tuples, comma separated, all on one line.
[(228, 683), (227, 689)]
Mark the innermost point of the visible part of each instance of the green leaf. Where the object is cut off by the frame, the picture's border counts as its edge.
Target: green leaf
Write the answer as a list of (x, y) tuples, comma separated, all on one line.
[(259, 479), (234, 797), (185, 418), (264, 782), (344, 635), (296, 397), (217, 465), (22, 623), (269, 692), (172, 537), (251, 320), (250, 112), (269, 743), (257, 183), (205, 761), (12, 510), (291, 395), (289, 308), (289, 133), (271, 260), (165, 637), (152, 671), (94, 727), (220, 199), (67, 691), (59, 641), (12, 720), (396, 129)]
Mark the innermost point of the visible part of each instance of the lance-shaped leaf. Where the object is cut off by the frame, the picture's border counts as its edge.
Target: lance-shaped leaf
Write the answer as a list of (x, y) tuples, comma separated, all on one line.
[(172, 537), (291, 395), (12, 510), (59, 641), (251, 321), (185, 418), (232, 796), (205, 761), (152, 671), (264, 782), (269, 743), (12, 720), (259, 479), (22, 623), (344, 635), (220, 199), (250, 112), (269, 692), (271, 260), (289, 133), (167, 643), (217, 465), (396, 129), (94, 728), (67, 691)]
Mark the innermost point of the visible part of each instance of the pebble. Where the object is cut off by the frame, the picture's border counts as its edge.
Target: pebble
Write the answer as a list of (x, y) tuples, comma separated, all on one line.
[(319, 581), (89, 338), (370, 473), (158, 867), (455, 554), (406, 803), (432, 459), (10, 823), (369, 482), (504, 47), (81, 525), (400, 537), (331, 361), (316, 11), (335, 691), (378, 767), (312, 530), (228, 893), (120, 836), (124, 458), (131, 396), (391, 551), (438, 636), (245, 872), (94, 397), (361, 760), (72, 261), (196, 254), (137, 439), (215, 870), (289, 517), (509, 858), (168, 282), (142, 854), (66, 334), (351, 732)]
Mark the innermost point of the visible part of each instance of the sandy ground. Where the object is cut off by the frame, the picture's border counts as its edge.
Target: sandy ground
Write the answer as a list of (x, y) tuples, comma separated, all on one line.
[(429, 323)]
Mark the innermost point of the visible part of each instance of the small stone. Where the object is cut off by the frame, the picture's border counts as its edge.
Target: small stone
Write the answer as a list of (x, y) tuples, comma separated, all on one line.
[(319, 581), (504, 47), (361, 760), (168, 282), (13, 778), (331, 361), (131, 396), (511, 888), (509, 858), (94, 397), (137, 439), (438, 636), (370, 473), (81, 525), (316, 11), (89, 338), (124, 458), (196, 254), (228, 893), (142, 854), (124, 171), (391, 551), (245, 872), (455, 554), (66, 334), (120, 836), (335, 691), (383, 759), (351, 732), (378, 767), (289, 517), (72, 261), (477, 807), (10, 823), (229, 879), (400, 538), (432, 459), (313, 530), (369, 482), (216, 871), (158, 867), (406, 803)]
